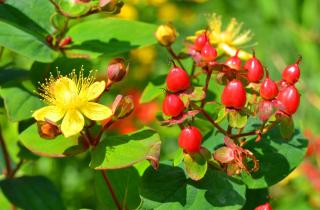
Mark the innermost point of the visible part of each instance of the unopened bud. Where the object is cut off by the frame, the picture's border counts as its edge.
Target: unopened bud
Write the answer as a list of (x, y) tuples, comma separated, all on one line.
[(122, 106), (265, 110), (48, 130), (224, 155), (65, 41), (166, 34), (117, 69)]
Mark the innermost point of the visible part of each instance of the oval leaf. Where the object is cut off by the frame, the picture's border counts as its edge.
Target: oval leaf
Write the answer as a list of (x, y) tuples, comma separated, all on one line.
[(115, 152), (32, 193), (277, 157), (195, 165), (58, 147), (109, 36)]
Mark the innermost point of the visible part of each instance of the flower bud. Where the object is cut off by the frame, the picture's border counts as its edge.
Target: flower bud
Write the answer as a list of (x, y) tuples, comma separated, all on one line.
[(48, 130), (166, 34), (224, 155), (117, 69), (65, 41), (122, 106)]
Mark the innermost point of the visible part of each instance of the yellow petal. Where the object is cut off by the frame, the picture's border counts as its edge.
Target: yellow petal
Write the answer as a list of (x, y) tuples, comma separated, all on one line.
[(64, 90), (72, 123), (95, 111), (95, 90), (52, 113)]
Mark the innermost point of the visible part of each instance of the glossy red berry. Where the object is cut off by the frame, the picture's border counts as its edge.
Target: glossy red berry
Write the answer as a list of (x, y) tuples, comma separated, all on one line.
[(172, 105), (289, 99), (65, 41), (200, 41), (269, 89), (254, 68), (208, 53), (265, 206), (177, 80), (234, 62), (291, 73), (234, 95), (190, 139)]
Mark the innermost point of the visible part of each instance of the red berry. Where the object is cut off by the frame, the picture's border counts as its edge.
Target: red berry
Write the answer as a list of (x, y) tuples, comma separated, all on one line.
[(208, 53), (268, 89), (177, 80), (254, 68), (190, 139), (291, 73), (65, 41), (289, 99), (172, 105), (265, 206), (234, 95), (200, 41), (234, 62)]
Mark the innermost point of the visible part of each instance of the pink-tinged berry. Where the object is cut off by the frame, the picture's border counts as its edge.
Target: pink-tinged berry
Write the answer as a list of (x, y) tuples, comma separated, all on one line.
[(177, 80), (190, 139), (289, 99), (200, 41), (208, 53), (269, 89), (234, 62), (265, 206), (254, 68), (172, 105), (291, 73), (234, 95)]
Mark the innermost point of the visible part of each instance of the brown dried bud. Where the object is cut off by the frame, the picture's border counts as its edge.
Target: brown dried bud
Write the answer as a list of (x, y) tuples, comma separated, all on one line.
[(166, 34), (122, 106), (224, 155), (48, 130), (117, 69)]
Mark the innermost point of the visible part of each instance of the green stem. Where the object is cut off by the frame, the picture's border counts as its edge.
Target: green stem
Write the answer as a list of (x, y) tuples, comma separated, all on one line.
[(5, 156), (206, 86)]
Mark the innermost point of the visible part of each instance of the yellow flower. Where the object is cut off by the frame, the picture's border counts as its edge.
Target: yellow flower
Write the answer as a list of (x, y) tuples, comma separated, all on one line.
[(229, 39), (69, 98)]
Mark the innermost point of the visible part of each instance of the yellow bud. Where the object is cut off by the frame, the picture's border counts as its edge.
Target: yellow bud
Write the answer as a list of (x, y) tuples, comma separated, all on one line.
[(166, 34)]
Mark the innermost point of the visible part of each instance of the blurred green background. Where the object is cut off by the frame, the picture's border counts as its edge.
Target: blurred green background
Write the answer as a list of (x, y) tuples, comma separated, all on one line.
[(283, 30)]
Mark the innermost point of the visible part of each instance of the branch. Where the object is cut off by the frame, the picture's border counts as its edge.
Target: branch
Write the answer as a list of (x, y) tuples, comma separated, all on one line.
[(174, 55), (206, 86), (5, 156), (114, 197)]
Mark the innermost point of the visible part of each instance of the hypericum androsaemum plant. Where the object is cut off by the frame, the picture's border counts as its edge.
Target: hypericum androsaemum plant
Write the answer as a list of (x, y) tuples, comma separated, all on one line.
[(237, 135)]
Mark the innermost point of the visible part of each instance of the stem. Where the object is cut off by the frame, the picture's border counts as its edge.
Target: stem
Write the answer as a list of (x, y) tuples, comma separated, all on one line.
[(211, 120), (193, 68), (13, 173), (5, 156), (174, 55), (206, 86), (114, 197)]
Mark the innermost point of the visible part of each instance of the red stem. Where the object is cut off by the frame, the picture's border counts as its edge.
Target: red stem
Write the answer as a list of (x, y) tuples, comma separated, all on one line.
[(174, 55), (114, 197), (5, 156)]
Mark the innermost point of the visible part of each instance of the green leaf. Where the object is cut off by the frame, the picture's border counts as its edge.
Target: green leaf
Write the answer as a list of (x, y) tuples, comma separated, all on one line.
[(19, 103), (40, 13), (115, 152), (109, 36), (58, 147), (124, 182), (277, 157), (178, 158), (237, 119), (15, 24), (195, 165), (8, 75), (168, 188), (74, 9), (286, 127), (32, 193), (153, 90)]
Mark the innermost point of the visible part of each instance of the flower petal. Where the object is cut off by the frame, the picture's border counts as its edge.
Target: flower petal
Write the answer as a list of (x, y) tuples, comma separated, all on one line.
[(95, 111), (52, 113), (95, 90), (72, 123), (64, 90)]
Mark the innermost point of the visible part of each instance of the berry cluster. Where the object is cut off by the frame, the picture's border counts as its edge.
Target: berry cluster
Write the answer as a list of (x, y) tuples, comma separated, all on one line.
[(248, 92)]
